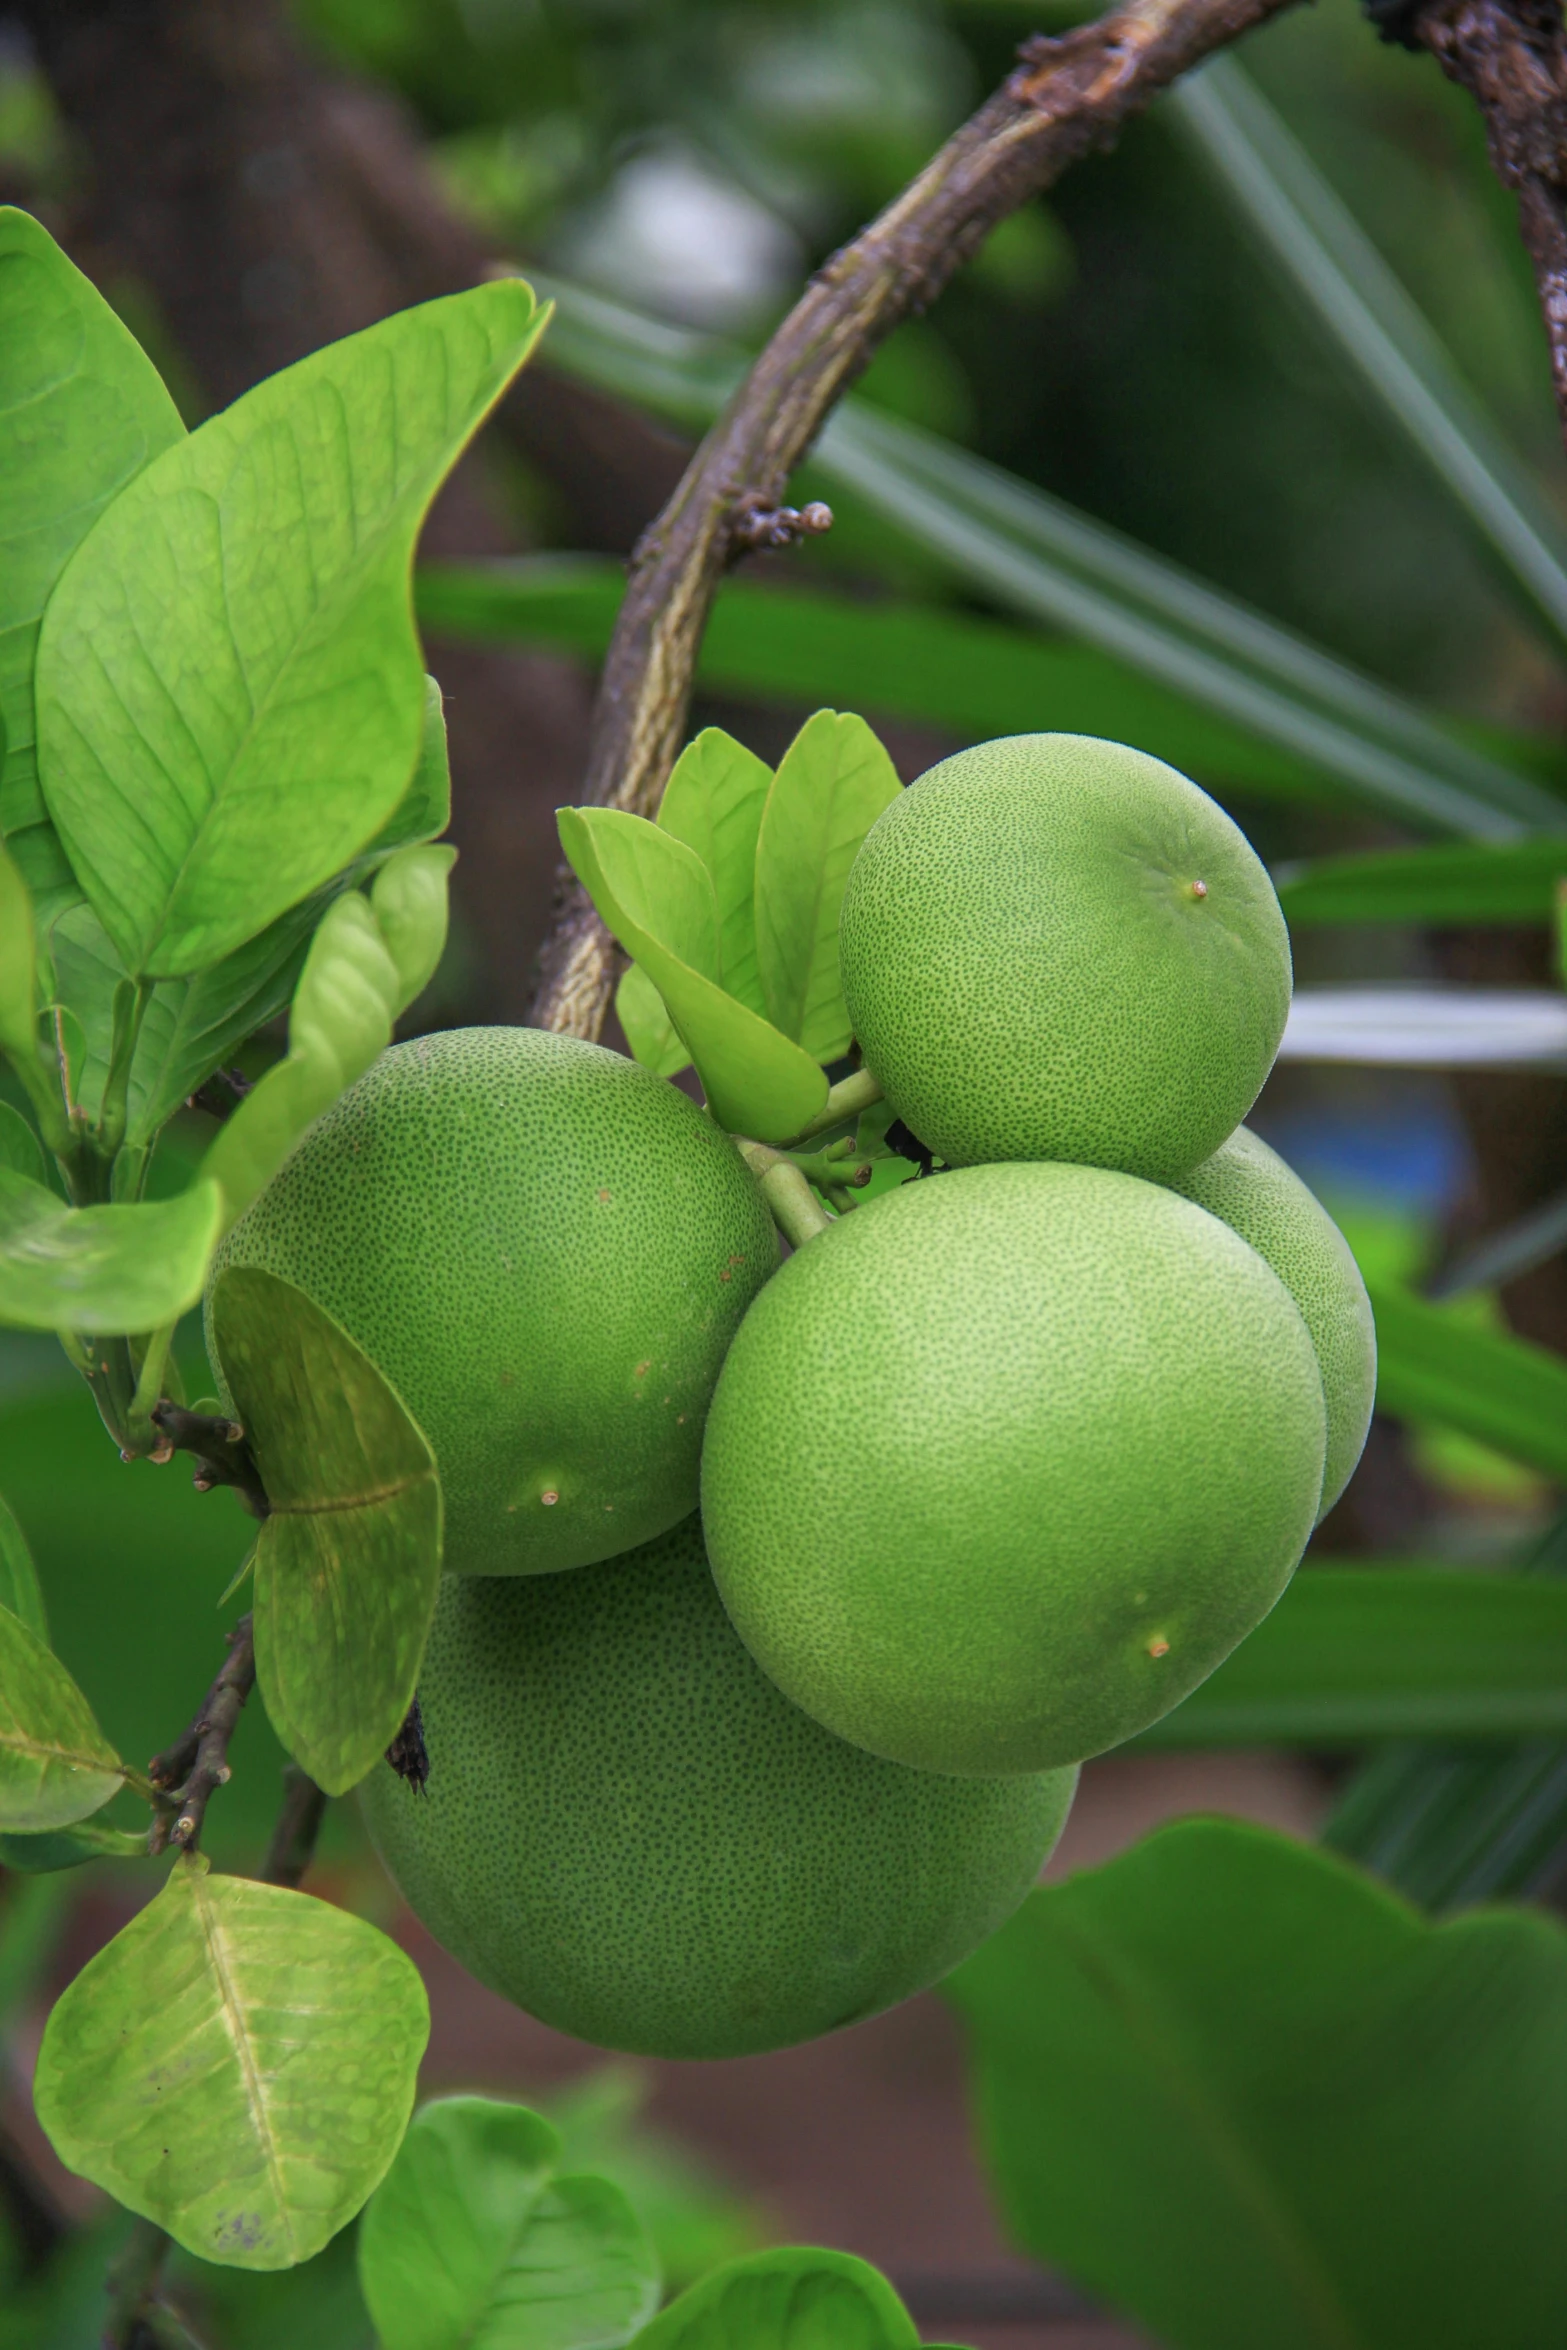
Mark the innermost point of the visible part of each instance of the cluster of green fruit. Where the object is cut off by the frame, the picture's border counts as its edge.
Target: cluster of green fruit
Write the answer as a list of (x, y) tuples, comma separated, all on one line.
[(992, 1472)]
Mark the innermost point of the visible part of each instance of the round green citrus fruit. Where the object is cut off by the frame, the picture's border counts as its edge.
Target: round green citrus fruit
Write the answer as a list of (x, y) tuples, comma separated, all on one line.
[(1258, 1196), (546, 1250), (629, 1832), (1000, 1467), (1057, 948)]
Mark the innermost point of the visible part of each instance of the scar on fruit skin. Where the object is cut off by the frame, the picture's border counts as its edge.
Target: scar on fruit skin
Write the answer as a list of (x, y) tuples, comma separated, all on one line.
[(1158, 1645)]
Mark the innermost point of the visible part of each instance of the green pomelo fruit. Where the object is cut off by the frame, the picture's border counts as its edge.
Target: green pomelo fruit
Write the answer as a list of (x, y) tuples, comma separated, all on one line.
[(629, 1832), (1057, 948), (1004, 1464), (546, 1250), (1251, 1189)]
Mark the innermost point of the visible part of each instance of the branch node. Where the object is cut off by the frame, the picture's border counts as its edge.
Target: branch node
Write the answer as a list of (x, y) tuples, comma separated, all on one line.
[(758, 524), (222, 1455)]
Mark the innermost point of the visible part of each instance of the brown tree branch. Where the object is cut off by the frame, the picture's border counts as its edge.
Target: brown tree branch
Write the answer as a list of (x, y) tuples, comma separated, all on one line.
[(1511, 56), (1067, 96), (198, 1762)]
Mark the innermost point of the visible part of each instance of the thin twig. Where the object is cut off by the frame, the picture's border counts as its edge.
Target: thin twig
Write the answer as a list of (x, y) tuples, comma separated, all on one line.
[(198, 1762), (1511, 56), (1069, 95), (294, 1836)]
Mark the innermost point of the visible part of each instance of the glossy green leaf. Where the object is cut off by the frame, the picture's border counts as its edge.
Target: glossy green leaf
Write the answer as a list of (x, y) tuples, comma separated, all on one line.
[(237, 2065), (1434, 1367), (408, 899), (794, 2298), (349, 1561), (82, 411), (713, 802), (1510, 881), (108, 1270), (20, 1149), (1288, 205), (654, 894), (1237, 2090), (1355, 1654), (341, 1019), (650, 1032), (20, 1590), (231, 699), (69, 1848), (976, 678), (472, 2242), (832, 784), (56, 1767)]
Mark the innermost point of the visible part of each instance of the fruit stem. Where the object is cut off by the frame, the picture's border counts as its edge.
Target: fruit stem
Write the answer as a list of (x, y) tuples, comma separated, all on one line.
[(793, 1205), (845, 1100)]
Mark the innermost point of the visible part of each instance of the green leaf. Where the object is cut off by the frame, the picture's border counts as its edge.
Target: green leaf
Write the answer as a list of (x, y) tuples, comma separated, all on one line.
[(1361, 1653), (1284, 200), (654, 894), (650, 1032), (1240, 2092), (425, 808), (349, 1561), (344, 1006), (231, 700), (1038, 556), (20, 1590), (408, 899), (976, 678), (238, 2065), (20, 1148), (471, 2242), (796, 2298), (82, 411), (1431, 1366), (1509, 881), (713, 802), (56, 1767), (18, 944), (834, 781), (109, 1270), (70, 1848)]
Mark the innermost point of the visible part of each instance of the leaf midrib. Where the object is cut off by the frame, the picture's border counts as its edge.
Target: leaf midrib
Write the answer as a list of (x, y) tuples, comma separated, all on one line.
[(231, 2011), (1159, 2036)]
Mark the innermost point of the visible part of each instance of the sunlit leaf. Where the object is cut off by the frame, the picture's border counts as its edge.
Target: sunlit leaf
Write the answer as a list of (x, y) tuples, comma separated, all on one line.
[(231, 699), (713, 802), (472, 2242), (1355, 1654), (349, 1561), (647, 886), (650, 1032), (18, 944), (344, 1005), (109, 1270), (56, 1767), (237, 2065), (408, 899), (20, 1590), (82, 411), (1237, 2090), (832, 784), (796, 2298)]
